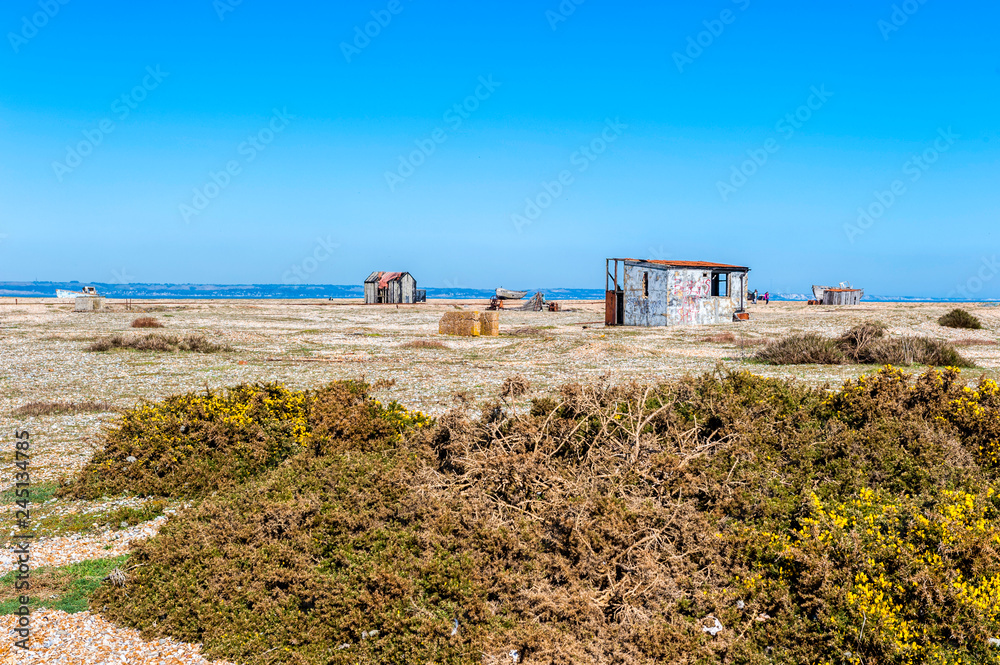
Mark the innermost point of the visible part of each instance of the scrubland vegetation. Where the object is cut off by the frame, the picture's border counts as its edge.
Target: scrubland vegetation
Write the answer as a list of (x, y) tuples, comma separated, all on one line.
[(598, 523), (157, 342), (865, 344), (959, 318)]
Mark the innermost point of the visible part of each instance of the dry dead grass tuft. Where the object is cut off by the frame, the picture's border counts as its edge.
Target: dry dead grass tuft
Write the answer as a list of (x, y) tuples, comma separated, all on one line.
[(866, 344), (146, 322), (62, 408), (807, 349), (529, 331), (515, 386), (721, 338), (157, 342), (425, 344), (970, 341)]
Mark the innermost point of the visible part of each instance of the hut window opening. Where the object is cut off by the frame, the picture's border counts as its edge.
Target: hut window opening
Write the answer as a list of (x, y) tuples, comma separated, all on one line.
[(720, 284), (645, 285)]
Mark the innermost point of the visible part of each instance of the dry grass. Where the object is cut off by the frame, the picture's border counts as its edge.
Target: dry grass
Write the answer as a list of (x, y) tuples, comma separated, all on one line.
[(61, 408), (528, 331), (742, 341), (864, 344), (721, 338), (157, 342), (425, 344), (971, 341), (805, 349), (146, 322), (514, 387)]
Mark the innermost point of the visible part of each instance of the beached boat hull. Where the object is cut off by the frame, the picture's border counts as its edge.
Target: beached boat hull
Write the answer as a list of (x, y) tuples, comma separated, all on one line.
[(64, 293), (507, 294), (818, 291)]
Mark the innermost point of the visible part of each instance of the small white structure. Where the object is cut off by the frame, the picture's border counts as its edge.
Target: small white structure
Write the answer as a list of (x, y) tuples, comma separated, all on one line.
[(88, 304)]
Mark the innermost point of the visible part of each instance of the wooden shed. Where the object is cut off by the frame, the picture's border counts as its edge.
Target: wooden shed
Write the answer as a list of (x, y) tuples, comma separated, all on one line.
[(390, 288)]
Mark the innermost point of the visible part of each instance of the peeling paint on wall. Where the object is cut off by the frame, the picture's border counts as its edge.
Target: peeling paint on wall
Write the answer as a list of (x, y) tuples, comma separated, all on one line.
[(657, 296)]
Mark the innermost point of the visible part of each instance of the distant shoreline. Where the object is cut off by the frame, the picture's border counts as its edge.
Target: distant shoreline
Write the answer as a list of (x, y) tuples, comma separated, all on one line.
[(343, 291)]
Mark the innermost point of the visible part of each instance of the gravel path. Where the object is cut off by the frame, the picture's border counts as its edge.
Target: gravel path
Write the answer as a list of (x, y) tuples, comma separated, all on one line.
[(87, 639), (64, 550)]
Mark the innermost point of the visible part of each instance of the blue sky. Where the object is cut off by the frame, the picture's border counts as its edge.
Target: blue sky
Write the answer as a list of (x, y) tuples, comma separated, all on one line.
[(748, 132)]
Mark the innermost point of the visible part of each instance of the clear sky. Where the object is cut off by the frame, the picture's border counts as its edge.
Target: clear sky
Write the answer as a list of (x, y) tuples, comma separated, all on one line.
[(508, 143)]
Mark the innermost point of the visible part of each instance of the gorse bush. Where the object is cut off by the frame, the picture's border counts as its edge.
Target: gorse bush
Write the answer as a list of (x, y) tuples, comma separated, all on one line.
[(190, 444), (866, 344), (606, 524), (959, 318)]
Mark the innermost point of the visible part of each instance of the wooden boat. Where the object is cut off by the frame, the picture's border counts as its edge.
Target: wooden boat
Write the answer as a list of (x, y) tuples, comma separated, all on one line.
[(86, 291), (507, 294), (818, 292)]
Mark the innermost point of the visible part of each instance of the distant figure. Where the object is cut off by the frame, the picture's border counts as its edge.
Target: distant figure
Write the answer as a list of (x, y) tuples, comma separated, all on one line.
[(767, 297), (753, 297)]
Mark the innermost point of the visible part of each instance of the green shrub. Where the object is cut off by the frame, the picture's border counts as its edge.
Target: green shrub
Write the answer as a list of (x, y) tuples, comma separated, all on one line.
[(959, 318)]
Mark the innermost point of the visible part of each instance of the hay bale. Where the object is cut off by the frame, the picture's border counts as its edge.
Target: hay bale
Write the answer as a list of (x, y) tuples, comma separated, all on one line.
[(489, 324), (462, 323)]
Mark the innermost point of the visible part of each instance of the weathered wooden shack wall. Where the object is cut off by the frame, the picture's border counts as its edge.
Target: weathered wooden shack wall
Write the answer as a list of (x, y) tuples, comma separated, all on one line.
[(403, 289), (842, 297), (406, 288)]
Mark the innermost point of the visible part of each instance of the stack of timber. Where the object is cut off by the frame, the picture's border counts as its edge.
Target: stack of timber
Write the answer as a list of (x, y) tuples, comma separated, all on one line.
[(470, 324)]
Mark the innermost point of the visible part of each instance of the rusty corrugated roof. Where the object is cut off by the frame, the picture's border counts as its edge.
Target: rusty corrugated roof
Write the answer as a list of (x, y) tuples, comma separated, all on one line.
[(389, 277), (686, 264)]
